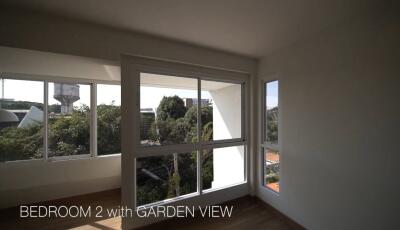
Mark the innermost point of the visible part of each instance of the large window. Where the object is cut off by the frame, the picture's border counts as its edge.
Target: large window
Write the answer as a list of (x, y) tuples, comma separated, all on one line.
[(68, 128), (184, 156), (271, 151)]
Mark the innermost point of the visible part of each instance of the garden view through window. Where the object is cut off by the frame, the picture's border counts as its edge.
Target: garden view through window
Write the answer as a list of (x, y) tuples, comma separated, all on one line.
[(108, 119), (22, 120), (68, 119), (169, 116), (167, 176), (271, 147)]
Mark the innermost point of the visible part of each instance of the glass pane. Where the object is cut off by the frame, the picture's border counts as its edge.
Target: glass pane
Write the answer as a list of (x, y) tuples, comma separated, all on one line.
[(271, 118), (21, 120), (108, 119), (69, 119), (221, 115), (164, 177), (222, 167), (271, 169), (168, 111)]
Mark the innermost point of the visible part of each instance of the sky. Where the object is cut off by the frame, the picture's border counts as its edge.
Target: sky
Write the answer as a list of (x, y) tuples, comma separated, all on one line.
[(22, 90), (272, 94)]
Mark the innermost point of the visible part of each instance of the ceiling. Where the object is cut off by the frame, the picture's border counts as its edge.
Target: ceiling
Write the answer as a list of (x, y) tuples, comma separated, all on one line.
[(249, 27)]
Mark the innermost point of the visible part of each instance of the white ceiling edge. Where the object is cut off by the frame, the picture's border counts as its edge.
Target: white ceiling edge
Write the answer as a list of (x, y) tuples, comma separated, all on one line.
[(39, 63), (32, 62)]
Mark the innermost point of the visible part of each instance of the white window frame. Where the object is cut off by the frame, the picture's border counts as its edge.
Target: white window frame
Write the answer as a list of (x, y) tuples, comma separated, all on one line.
[(132, 67), (264, 144), (46, 79)]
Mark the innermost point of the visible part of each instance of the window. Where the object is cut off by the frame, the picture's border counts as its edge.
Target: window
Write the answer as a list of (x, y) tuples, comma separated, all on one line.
[(21, 120), (176, 150), (108, 119), (68, 129), (167, 109), (271, 144), (68, 119)]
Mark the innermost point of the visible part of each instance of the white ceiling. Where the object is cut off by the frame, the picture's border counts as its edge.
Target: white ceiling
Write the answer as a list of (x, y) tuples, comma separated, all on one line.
[(249, 27)]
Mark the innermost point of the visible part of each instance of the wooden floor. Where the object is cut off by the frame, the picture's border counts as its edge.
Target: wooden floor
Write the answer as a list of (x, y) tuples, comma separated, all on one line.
[(248, 213)]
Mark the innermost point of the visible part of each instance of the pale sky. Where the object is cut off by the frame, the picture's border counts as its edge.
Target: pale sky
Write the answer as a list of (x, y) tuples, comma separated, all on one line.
[(272, 94), (21, 90)]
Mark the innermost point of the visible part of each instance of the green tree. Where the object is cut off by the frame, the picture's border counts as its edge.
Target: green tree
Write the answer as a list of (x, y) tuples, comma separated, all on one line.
[(171, 107), (21, 143), (272, 125), (108, 129), (69, 134)]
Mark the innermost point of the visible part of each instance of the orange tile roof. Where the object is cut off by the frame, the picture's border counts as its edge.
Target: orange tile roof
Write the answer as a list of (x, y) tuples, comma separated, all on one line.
[(272, 156), (274, 186)]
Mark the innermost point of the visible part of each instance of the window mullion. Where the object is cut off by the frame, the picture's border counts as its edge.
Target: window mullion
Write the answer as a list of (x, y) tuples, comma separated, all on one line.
[(199, 139), (93, 119), (46, 121)]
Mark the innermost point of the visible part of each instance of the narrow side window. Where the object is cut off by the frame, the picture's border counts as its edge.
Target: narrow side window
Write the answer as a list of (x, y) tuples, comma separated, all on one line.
[(271, 153)]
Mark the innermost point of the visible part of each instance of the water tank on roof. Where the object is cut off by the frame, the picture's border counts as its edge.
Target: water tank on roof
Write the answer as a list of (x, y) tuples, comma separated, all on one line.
[(66, 94)]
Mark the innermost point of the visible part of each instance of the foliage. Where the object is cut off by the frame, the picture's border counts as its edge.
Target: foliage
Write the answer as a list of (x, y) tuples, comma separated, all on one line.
[(175, 124), (171, 131), (208, 169), (206, 120), (272, 125), (21, 144), (69, 134), (206, 115), (272, 173), (108, 129), (171, 107)]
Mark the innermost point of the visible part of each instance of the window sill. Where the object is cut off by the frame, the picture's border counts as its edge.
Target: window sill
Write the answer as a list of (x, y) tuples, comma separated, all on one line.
[(270, 190), (57, 159), (171, 201)]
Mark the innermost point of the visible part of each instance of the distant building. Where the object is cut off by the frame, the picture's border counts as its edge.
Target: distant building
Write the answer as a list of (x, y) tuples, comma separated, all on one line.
[(147, 117), (7, 119), (189, 102)]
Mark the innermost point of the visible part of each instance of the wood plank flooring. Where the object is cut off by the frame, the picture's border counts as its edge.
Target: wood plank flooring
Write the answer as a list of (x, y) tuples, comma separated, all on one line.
[(248, 213)]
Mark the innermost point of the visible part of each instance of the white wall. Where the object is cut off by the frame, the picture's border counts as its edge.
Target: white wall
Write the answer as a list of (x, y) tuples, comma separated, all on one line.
[(39, 180), (228, 163), (339, 125), (31, 30), (32, 62)]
